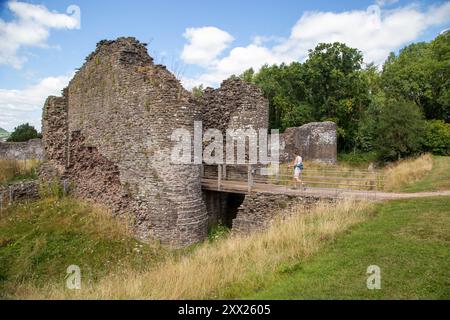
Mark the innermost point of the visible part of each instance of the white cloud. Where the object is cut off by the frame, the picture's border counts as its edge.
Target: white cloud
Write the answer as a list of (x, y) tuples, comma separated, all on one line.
[(375, 32), (19, 106), (31, 27), (205, 44)]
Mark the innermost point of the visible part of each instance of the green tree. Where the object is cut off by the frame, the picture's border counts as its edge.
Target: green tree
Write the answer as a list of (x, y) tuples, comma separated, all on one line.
[(24, 132), (367, 127), (421, 73), (440, 76), (400, 130), (337, 88)]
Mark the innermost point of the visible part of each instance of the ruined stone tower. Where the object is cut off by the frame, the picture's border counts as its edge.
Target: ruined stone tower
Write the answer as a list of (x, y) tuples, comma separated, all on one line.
[(110, 136)]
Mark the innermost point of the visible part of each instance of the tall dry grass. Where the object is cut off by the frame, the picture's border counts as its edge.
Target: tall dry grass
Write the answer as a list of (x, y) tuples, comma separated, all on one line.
[(226, 267), (13, 168), (406, 172)]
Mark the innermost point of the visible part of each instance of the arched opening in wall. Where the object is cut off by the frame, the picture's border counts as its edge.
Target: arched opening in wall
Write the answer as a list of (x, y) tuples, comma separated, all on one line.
[(222, 207)]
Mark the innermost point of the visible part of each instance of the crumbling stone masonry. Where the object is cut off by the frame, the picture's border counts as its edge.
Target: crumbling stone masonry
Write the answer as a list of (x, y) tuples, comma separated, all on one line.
[(31, 149), (110, 136), (19, 191), (259, 210), (235, 105)]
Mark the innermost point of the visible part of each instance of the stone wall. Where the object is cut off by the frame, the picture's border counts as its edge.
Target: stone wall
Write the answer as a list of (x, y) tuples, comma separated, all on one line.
[(24, 190), (31, 149), (110, 136), (55, 137), (260, 209), (235, 105), (315, 141)]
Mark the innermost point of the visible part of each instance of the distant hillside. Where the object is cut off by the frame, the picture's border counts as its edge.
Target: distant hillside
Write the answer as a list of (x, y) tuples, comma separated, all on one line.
[(3, 134)]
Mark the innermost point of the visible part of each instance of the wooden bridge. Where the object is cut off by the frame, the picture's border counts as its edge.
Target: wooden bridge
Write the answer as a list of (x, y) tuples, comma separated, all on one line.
[(324, 182)]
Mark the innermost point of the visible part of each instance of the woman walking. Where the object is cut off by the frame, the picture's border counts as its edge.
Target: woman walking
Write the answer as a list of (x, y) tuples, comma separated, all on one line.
[(298, 167)]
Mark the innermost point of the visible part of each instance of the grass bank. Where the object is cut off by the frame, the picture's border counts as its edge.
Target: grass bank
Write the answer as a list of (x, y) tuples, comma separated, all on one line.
[(409, 240), (425, 173), (39, 240), (323, 254), (224, 268)]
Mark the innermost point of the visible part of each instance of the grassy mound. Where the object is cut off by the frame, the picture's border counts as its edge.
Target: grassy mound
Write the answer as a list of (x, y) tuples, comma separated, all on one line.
[(425, 173), (39, 240)]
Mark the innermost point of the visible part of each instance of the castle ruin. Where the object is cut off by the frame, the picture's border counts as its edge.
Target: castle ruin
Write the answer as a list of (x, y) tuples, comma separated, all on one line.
[(109, 136)]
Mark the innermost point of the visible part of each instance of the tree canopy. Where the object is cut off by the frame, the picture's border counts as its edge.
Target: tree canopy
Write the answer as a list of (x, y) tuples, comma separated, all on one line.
[(24, 132), (370, 105)]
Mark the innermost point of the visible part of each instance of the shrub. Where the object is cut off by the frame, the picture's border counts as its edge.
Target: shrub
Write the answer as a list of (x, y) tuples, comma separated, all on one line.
[(437, 137)]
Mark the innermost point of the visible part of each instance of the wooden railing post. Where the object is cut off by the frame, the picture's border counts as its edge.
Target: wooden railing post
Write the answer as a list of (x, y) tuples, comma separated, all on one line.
[(10, 196), (249, 178), (277, 175), (219, 177)]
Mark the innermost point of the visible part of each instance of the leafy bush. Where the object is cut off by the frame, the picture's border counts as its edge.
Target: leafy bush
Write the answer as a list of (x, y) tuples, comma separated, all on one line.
[(24, 132), (437, 137)]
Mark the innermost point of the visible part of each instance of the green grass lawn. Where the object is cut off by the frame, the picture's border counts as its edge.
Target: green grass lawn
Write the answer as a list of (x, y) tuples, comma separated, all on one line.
[(408, 239), (437, 179)]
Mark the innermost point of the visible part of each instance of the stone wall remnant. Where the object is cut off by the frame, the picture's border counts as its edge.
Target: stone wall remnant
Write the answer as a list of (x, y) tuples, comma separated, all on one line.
[(235, 105), (259, 210), (31, 149), (315, 141), (18, 191)]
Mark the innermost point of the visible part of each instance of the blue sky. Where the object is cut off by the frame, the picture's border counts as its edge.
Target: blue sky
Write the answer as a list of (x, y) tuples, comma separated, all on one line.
[(201, 41)]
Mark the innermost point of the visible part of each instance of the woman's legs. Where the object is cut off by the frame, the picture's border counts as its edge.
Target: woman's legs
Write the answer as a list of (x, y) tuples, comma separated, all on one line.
[(296, 177)]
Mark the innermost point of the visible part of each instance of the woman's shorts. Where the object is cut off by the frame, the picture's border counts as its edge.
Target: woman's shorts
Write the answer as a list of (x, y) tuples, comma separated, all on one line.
[(297, 172)]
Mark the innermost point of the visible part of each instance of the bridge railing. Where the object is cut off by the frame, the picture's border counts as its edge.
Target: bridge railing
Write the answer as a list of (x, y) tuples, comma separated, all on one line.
[(328, 177)]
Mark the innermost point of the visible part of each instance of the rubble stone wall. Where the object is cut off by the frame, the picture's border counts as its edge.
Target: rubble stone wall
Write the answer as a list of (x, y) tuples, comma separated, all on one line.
[(31, 149), (19, 191), (235, 105), (260, 209)]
